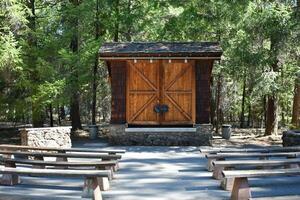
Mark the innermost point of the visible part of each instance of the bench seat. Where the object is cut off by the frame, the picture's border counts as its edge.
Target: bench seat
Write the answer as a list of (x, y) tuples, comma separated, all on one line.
[(65, 155), (21, 147), (219, 166), (249, 150), (241, 189), (92, 178), (223, 156), (99, 165)]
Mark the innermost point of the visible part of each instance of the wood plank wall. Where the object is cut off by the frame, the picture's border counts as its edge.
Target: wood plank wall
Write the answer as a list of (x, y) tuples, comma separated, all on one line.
[(118, 92), (203, 93)]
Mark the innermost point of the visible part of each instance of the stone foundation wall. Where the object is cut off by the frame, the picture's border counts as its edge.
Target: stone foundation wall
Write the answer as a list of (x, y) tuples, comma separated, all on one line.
[(46, 137), (202, 136), (291, 138)]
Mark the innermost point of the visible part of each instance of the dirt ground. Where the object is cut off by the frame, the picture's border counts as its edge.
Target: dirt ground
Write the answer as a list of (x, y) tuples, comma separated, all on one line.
[(248, 137)]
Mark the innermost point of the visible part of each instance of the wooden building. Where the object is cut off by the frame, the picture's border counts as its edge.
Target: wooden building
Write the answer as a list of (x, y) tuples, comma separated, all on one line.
[(160, 83)]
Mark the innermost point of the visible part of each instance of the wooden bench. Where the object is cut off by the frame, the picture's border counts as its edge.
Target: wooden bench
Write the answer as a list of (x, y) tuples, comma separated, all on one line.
[(62, 156), (41, 155), (241, 189), (62, 150), (262, 156), (92, 178), (249, 150), (98, 165), (219, 166)]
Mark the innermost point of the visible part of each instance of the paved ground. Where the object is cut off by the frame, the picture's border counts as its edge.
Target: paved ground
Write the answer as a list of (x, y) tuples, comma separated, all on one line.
[(156, 173)]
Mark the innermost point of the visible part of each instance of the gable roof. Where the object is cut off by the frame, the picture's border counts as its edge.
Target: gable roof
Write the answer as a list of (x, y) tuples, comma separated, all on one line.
[(161, 49)]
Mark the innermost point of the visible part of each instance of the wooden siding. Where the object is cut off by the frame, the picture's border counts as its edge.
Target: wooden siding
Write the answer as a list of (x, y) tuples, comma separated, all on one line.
[(118, 91), (203, 93)]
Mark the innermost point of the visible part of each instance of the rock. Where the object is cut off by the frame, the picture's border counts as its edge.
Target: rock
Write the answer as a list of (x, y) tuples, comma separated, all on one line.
[(201, 136), (47, 137), (291, 138)]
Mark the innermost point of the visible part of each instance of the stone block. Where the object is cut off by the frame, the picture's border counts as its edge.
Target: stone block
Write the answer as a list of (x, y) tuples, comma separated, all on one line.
[(201, 135), (47, 137)]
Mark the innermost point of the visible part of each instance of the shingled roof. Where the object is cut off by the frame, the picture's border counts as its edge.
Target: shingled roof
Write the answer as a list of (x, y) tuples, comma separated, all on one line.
[(161, 49)]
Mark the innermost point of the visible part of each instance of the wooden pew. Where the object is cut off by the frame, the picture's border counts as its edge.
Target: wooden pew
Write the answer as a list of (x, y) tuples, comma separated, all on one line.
[(219, 166), (241, 189), (62, 150), (262, 156), (41, 155), (91, 188), (98, 165), (249, 150)]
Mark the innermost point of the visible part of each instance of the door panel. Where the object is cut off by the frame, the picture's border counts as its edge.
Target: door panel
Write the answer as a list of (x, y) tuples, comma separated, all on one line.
[(142, 92), (178, 92)]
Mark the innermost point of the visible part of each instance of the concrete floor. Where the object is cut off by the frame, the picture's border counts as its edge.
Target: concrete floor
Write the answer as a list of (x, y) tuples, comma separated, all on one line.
[(156, 173)]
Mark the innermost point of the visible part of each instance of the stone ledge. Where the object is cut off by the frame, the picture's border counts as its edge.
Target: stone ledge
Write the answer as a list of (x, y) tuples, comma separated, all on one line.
[(47, 137), (199, 136)]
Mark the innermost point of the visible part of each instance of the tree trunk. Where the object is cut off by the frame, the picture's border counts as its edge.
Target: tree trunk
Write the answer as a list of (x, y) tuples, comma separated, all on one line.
[(37, 111), (212, 103), (95, 67), (58, 115), (75, 112), (272, 108), (62, 112), (296, 104), (272, 118), (116, 31), (218, 106), (129, 26), (249, 116), (75, 97), (51, 115), (264, 117), (242, 119)]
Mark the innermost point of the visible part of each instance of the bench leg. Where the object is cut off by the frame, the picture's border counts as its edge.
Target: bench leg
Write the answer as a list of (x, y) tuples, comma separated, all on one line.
[(241, 189), (115, 167), (227, 184), (91, 189), (291, 165), (210, 166), (103, 183), (10, 179), (39, 166), (111, 175), (217, 173), (263, 167), (61, 159)]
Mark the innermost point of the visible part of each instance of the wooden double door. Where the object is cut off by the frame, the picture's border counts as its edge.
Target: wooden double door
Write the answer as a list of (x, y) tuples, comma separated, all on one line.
[(160, 92)]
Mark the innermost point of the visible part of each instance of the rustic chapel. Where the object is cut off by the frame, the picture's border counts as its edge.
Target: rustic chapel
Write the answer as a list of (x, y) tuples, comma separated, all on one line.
[(160, 90)]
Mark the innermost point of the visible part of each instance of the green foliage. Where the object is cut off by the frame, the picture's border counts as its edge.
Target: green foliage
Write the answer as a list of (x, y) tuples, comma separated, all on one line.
[(38, 67)]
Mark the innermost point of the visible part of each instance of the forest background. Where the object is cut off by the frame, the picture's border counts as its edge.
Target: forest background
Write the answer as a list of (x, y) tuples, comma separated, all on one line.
[(50, 73)]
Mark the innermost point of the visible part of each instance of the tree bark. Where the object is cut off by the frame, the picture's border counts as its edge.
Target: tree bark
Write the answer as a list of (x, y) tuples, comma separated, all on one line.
[(116, 31), (38, 115), (75, 96), (51, 115), (272, 108), (218, 106), (212, 103), (95, 67), (272, 116), (296, 104), (249, 116), (242, 119), (129, 26)]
